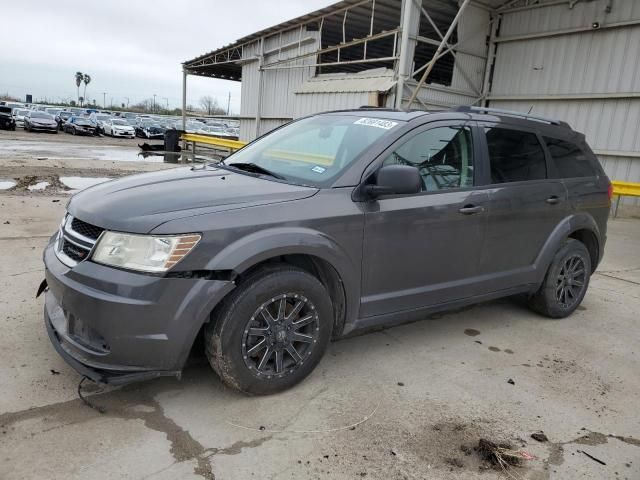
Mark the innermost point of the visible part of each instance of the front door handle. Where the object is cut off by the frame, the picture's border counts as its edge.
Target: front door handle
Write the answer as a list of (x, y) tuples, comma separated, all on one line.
[(552, 200), (471, 209)]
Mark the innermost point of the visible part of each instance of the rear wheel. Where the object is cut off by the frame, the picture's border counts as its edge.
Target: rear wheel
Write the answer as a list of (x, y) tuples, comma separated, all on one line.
[(566, 282), (271, 332)]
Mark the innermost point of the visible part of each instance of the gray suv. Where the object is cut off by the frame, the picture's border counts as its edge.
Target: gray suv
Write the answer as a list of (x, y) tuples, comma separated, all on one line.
[(331, 224)]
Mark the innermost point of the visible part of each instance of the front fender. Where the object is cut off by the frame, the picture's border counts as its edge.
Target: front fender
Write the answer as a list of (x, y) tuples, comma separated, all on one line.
[(263, 245), (569, 225)]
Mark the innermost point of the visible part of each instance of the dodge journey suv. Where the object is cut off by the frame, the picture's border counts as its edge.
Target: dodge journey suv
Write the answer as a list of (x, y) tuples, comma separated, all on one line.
[(333, 223)]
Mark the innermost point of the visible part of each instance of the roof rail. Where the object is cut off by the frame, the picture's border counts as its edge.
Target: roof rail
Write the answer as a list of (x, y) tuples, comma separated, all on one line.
[(511, 113)]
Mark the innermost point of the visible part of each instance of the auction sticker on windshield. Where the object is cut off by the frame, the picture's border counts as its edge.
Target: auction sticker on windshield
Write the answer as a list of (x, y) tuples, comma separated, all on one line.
[(376, 122)]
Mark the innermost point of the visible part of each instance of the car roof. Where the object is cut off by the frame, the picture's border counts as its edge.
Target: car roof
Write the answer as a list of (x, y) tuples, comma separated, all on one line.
[(544, 125), (382, 113)]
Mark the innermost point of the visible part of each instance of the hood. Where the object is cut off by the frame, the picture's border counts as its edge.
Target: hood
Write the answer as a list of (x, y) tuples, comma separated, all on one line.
[(43, 121), (140, 203)]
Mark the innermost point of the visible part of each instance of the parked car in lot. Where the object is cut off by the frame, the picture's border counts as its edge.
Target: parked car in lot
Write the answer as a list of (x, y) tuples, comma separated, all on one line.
[(211, 130), (149, 129), (39, 121), (117, 127), (53, 111), (97, 120), (79, 126), (18, 116), (7, 122), (333, 223), (62, 117)]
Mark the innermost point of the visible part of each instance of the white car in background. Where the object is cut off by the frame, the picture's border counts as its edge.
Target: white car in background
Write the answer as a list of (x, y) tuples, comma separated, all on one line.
[(18, 116), (118, 127)]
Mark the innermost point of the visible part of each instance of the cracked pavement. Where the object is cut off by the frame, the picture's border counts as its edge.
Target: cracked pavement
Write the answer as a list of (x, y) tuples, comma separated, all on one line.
[(408, 402)]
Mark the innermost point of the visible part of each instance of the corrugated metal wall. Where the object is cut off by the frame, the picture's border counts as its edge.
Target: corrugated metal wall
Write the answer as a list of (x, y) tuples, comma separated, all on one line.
[(278, 98), (591, 79)]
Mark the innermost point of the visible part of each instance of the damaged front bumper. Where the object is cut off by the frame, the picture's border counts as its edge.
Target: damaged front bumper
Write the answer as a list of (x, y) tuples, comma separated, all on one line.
[(115, 326)]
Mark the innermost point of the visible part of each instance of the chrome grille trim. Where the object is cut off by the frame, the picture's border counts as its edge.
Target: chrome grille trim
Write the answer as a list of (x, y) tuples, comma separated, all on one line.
[(67, 234)]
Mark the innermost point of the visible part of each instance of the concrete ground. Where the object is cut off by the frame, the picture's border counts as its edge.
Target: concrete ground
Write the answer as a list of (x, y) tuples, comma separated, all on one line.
[(409, 402)]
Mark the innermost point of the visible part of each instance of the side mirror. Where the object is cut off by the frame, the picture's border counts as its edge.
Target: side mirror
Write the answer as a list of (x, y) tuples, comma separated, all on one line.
[(395, 180)]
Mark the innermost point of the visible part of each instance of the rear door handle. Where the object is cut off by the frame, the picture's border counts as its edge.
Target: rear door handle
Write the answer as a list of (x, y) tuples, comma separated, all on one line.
[(552, 200), (471, 209)]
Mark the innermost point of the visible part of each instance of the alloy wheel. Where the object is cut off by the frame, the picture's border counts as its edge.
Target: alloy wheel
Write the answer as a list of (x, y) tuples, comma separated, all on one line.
[(280, 335), (570, 281)]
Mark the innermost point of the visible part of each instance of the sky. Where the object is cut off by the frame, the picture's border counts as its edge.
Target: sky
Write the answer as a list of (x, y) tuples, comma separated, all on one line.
[(131, 48)]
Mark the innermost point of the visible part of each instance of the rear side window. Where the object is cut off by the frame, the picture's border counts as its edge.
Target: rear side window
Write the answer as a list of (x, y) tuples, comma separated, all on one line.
[(570, 160), (515, 156)]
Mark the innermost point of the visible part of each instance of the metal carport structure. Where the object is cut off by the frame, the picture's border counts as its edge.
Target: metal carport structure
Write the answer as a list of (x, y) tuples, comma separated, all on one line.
[(577, 60)]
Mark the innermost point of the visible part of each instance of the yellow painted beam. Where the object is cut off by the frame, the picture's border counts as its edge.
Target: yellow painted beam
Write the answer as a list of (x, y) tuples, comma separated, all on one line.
[(627, 189), (215, 141)]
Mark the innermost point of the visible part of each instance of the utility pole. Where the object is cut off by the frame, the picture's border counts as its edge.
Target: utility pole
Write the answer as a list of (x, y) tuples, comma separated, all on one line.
[(104, 99), (228, 103), (154, 103), (127, 101), (166, 100)]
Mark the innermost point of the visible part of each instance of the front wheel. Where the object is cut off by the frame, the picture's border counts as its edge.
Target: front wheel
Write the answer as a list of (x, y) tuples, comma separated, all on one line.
[(566, 282), (271, 332)]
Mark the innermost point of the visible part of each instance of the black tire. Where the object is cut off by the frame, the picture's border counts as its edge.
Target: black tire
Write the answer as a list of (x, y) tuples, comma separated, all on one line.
[(229, 341), (565, 283)]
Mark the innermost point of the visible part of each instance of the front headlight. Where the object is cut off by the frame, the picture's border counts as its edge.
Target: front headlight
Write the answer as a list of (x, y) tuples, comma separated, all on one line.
[(145, 253)]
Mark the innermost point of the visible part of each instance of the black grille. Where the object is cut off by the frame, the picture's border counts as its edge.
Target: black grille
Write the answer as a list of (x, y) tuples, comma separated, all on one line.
[(73, 251), (86, 229)]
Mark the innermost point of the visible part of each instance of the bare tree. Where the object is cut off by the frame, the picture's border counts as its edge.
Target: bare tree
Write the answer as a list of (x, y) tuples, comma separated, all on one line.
[(210, 106)]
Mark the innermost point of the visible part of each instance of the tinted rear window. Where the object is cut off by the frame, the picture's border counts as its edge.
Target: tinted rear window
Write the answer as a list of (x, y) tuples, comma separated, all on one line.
[(515, 156), (570, 160)]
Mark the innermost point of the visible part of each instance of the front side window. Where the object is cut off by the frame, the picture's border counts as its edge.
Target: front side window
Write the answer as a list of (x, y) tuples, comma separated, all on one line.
[(444, 156), (569, 159), (515, 156), (315, 150)]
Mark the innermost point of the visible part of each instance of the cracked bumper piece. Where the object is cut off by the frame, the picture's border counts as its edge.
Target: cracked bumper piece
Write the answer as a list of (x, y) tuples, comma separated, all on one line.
[(116, 327)]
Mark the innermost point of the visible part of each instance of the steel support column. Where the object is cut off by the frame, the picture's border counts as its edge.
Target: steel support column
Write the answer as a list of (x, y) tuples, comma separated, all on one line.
[(184, 105), (260, 87), (441, 47), (491, 58), (409, 29)]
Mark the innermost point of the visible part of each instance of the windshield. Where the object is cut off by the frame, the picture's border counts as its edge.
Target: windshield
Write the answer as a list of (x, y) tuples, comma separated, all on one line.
[(103, 117), (82, 121), (41, 115), (119, 122), (315, 150), (22, 112)]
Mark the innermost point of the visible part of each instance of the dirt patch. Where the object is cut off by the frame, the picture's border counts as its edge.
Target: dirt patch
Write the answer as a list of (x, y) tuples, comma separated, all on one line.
[(472, 332), (500, 456)]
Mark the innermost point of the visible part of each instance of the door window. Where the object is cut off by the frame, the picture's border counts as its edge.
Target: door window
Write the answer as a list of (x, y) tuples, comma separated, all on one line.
[(444, 156), (569, 159), (515, 156)]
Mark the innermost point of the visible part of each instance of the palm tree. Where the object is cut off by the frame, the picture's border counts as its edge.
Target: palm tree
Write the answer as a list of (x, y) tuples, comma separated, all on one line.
[(79, 79), (87, 80)]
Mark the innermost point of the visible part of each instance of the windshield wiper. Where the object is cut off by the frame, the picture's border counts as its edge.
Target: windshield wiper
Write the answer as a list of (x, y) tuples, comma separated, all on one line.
[(255, 168)]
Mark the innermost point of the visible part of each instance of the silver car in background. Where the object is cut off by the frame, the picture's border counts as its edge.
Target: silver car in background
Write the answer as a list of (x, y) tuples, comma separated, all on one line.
[(18, 116)]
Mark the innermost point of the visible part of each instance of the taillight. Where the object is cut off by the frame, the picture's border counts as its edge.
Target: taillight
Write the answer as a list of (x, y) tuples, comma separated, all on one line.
[(610, 191)]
